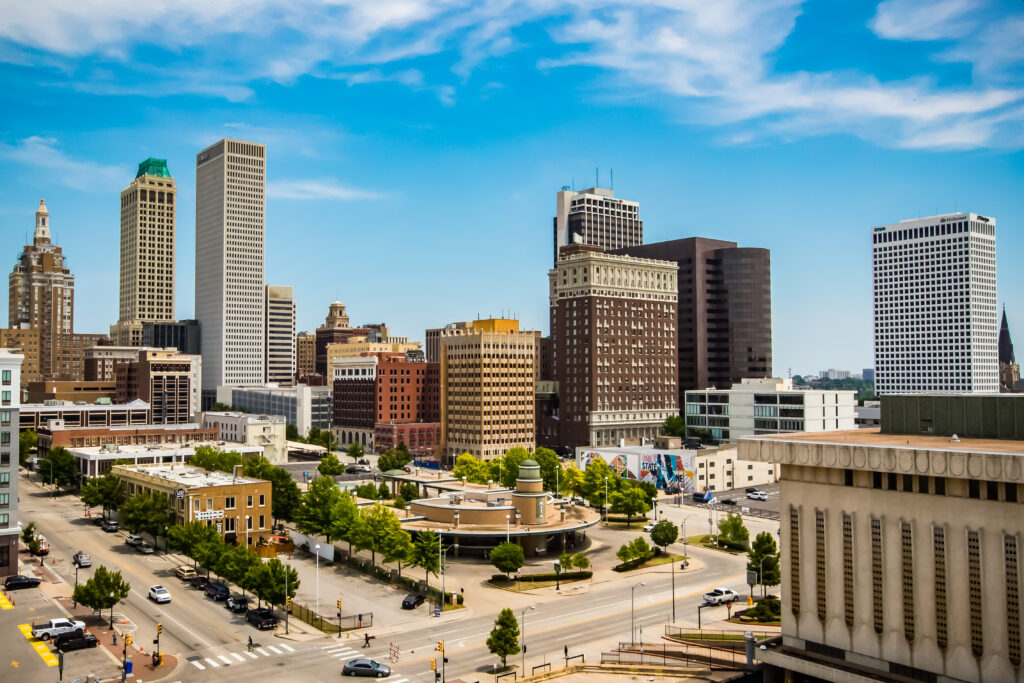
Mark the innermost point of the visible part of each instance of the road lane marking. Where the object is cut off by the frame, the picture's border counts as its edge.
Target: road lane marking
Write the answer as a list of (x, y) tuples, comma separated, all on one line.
[(224, 659), (263, 652), (212, 663), (5, 603), (288, 647), (39, 646), (251, 655), (199, 666), (238, 657), (273, 649)]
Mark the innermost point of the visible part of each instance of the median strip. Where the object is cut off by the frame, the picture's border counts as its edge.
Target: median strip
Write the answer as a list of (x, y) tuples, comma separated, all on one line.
[(39, 646)]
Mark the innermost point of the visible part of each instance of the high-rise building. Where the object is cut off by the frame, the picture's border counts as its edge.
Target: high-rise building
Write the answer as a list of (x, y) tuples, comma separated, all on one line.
[(280, 335), (487, 389), (935, 305), (434, 336), (162, 378), (334, 330), (42, 297), (725, 310), (25, 341), (613, 337), (179, 334), (305, 354), (148, 211), (230, 243), (10, 399), (1009, 369), (868, 374), (595, 216)]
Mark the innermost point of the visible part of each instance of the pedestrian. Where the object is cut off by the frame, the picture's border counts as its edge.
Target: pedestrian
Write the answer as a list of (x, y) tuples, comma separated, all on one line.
[(567, 651), (250, 643), (366, 640)]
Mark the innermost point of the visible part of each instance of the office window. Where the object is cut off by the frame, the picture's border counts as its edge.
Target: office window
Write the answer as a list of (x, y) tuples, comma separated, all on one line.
[(248, 523), (848, 582), (819, 563), (6, 377), (209, 503), (907, 548), (1012, 599), (876, 480), (877, 588), (5, 499), (992, 490), (248, 501), (940, 486), (794, 559), (922, 484), (263, 500), (974, 593), (973, 488), (262, 522), (847, 477), (941, 595)]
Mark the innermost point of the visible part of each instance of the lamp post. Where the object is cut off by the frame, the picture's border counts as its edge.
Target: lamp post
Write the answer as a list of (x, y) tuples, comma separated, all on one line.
[(632, 622), (654, 505), (74, 603), (442, 554), (523, 620), (508, 522), (760, 575), (287, 602), (558, 569), (318, 578), (50, 463)]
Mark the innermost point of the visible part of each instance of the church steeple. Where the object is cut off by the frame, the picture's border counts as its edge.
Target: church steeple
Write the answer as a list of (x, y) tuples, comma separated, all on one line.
[(42, 233), (1005, 344)]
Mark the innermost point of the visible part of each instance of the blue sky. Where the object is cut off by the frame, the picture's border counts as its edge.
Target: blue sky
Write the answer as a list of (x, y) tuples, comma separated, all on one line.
[(415, 146)]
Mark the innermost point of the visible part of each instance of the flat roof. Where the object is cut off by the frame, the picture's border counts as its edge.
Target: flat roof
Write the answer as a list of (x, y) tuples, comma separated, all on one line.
[(189, 476), (153, 450), (252, 417), (137, 404), (875, 439), (650, 449), (188, 426)]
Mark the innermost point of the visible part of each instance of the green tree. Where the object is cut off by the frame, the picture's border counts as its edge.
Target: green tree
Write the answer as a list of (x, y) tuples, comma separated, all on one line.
[(313, 436), (594, 480), (393, 459), (208, 554), (580, 561), (640, 547), (504, 638), (213, 459), (27, 440), (330, 466), (291, 433), (383, 492), (426, 553), (34, 546), (219, 407), (472, 469), (313, 516), (102, 590), (570, 482), (375, 531), (674, 426), (508, 470), (408, 491), (507, 557), (355, 451), (763, 556), (367, 491), (147, 512), (189, 537), (732, 532), (344, 517), (28, 532), (267, 580), (704, 435), (59, 467), (328, 440), (631, 501), (235, 562), (106, 491), (284, 492), (550, 467), (399, 548), (664, 534)]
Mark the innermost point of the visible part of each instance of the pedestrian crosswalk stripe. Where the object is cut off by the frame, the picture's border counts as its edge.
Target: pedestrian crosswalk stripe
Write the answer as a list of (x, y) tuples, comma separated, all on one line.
[(273, 649), (238, 656), (263, 652), (288, 647), (198, 666), (335, 647), (212, 663), (251, 655), (224, 659)]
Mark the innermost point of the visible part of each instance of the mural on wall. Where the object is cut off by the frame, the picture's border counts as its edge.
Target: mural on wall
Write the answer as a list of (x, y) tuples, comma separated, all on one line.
[(659, 469)]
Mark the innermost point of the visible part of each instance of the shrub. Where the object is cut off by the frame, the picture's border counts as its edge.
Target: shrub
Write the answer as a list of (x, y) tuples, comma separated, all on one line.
[(460, 599), (766, 609)]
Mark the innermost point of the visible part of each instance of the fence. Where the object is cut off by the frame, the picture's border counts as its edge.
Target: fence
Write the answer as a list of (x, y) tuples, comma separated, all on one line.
[(749, 511), (329, 624), (679, 633)]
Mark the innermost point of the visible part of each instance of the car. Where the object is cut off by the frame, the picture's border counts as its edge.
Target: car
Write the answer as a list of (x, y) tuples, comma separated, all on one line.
[(692, 445), (199, 582), (145, 548), (185, 572), (133, 539), (727, 501), (237, 604), (363, 461), (406, 468), (159, 594), (74, 641), (753, 489), (758, 495), (81, 559), (671, 489), (98, 521), (358, 469), (720, 596), (57, 627), (44, 547), (110, 526), (217, 591), (19, 581), (261, 618), (649, 526), (413, 600), (365, 667)]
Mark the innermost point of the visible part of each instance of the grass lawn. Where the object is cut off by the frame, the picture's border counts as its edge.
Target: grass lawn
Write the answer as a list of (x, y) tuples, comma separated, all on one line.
[(655, 561), (519, 586), (707, 541)]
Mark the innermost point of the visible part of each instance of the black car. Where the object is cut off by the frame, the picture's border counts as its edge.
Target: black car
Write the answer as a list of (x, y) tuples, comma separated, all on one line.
[(671, 489), (18, 581), (237, 604), (727, 501), (218, 591), (75, 641), (365, 667), (412, 601), (199, 582), (261, 618), (98, 521)]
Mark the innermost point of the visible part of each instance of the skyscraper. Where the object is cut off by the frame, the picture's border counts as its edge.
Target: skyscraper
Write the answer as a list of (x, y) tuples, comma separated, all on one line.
[(613, 342), (10, 392), (935, 305), (725, 310), (595, 216), (1009, 369), (280, 335), (230, 241), (334, 330), (42, 296), (147, 252)]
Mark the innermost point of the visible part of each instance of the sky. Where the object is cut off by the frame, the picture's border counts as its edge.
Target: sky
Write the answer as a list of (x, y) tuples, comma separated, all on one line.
[(414, 147)]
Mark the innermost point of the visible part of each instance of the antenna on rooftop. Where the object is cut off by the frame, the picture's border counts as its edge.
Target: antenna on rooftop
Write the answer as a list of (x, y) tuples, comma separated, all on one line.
[(597, 177), (612, 181)]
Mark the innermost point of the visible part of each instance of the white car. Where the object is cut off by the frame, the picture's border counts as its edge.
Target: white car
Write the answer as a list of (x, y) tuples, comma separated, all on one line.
[(649, 526), (758, 495), (720, 596), (159, 594)]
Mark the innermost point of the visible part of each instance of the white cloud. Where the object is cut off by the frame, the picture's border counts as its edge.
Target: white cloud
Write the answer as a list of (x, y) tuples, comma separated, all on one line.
[(318, 189), (43, 153), (923, 19)]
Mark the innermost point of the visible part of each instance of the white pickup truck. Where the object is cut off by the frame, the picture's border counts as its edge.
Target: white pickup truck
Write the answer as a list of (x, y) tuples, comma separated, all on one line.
[(57, 627)]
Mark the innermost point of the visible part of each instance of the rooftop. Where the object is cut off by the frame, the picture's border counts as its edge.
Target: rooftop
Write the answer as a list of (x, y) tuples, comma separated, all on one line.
[(253, 417), (151, 166), (188, 476), (187, 427), (161, 450), (873, 438), (650, 449), (137, 404)]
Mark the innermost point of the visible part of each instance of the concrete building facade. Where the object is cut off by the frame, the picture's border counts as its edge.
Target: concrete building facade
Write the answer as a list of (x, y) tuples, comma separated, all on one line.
[(936, 323), (266, 431), (230, 244), (163, 379), (280, 335), (335, 330), (305, 354), (95, 461), (71, 414), (10, 401), (595, 216), (24, 341), (55, 434), (301, 405), (178, 334), (78, 391), (613, 337)]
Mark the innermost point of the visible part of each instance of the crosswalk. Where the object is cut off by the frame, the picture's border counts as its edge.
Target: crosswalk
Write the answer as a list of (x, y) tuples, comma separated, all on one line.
[(344, 652), (215, 661)]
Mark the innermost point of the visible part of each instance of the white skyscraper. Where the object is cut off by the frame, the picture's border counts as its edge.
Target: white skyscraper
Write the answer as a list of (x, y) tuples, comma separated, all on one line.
[(936, 326), (230, 241), (280, 335), (596, 216)]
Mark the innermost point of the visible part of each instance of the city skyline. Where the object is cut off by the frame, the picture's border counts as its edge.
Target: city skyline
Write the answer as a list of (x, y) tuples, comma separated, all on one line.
[(470, 198)]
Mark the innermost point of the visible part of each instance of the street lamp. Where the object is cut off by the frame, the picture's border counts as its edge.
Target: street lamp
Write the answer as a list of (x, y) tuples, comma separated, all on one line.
[(318, 578), (632, 628), (558, 569), (508, 522), (523, 619), (50, 463)]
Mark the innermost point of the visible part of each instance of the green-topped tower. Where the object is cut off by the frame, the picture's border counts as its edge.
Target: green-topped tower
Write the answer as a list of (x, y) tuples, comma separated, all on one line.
[(147, 252)]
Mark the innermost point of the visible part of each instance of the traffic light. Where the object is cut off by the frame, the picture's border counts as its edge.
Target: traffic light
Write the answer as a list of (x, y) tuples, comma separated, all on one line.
[(159, 628), (287, 601), (128, 639), (440, 646), (339, 603), (433, 664)]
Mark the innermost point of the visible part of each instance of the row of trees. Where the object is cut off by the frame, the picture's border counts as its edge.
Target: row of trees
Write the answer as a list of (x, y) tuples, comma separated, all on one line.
[(316, 436)]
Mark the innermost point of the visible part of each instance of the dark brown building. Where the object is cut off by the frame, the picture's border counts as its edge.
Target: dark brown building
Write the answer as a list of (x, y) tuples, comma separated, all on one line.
[(613, 334), (335, 330), (67, 390), (725, 310), (162, 378)]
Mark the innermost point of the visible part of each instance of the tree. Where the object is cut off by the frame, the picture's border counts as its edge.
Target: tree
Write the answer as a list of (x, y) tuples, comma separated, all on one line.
[(148, 512), (28, 533), (570, 482), (426, 553), (313, 516), (330, 466), (27, 440), (704, 435), (62, 469), (219, 407), (507, 557), (508, 467), (393, 459), (106, 491), (102, 590), (355, 451), (328, 440), (208, 554), (580, 561), (504, 638), (188, 538), (763, 558), (630, 501), (594, 480), (367, 490), (34, 546), (268, 580), (383, 492), (344, 516), (408, 491), (664, 534), (284, 492), (313, 436), (472, 469), (635, 549), (399, 548), (213, 459), (732, 532), (674, 426), (235, 562), (291, 433), (550, 467), (375, 531)]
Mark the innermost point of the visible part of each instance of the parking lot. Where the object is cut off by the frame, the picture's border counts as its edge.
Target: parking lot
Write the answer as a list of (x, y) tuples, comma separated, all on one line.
[(737, 500)]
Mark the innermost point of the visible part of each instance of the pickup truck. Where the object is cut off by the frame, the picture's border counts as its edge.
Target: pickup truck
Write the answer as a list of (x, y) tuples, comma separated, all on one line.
[(57, 627), (720, 596)]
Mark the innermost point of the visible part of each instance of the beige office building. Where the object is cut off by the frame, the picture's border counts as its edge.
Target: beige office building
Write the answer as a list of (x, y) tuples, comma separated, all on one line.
[(900, 551), (305, 353), (355, 347), (487, 390), (279, 335), (147, 252)]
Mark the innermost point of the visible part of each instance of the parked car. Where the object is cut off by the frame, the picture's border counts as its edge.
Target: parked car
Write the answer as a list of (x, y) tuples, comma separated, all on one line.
[(19, 581), (358, 469), (81, 559), (74, 641), (110, 526), (145, 548), (753, 489), (720, 596), (133, 539), (57, 627), (237, 604), (649, 526), (365, 667), (758, 495), (185, 572), (98, 521), (692, 445), (671, 489), (413, 600), (261, 618), (199, 582), (727, 501), (363, 461), (159, 594), (217, 591)]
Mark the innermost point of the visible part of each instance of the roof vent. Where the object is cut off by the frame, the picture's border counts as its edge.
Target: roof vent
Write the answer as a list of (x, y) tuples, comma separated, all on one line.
[(955, 439)]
